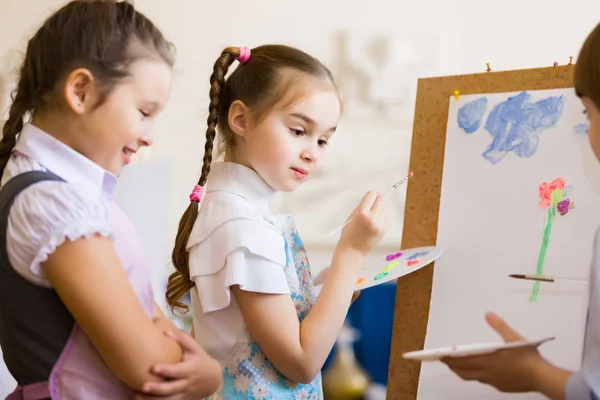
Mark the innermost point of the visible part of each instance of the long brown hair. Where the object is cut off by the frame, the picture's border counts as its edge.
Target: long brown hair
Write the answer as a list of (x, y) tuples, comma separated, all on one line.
[(259, 84), (104, 36), (587, 68)]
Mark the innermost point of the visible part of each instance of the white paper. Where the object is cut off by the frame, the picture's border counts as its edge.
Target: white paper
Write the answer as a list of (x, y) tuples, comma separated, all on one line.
[(491, 225)]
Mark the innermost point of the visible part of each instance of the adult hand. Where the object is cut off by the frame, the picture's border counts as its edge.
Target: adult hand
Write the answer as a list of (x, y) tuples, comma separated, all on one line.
[(509, 370)]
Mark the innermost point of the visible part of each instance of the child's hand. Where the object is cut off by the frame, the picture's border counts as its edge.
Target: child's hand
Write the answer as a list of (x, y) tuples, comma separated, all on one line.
[(510, 370), (368, 226), (197, 376)]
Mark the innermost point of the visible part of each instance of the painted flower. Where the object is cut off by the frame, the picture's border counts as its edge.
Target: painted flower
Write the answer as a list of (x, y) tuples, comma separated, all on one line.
[(563, 206), (547, 189), (244, 353), (551, 195), (260, 391), (303, 394), (259, 360), (242, 382), (306, 277), (270, 374)]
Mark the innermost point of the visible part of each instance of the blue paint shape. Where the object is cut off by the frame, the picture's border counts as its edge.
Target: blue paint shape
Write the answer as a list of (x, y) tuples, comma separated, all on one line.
[(516, 124), (417, 255), (581, 128), (471, 115)]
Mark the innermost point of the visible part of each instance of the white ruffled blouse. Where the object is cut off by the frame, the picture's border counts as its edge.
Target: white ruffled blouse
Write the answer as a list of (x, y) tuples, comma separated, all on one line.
[(232, 243)]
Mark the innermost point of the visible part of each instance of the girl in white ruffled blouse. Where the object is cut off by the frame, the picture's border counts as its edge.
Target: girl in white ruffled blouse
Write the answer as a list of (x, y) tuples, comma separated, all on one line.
[(250, 279)]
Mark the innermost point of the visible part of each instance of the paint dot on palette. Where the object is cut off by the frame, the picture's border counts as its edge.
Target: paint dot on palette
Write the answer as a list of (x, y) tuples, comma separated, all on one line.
[(391, 257), (390, 266), (418, 255), (379, 276), (361, 280), (413, 262)]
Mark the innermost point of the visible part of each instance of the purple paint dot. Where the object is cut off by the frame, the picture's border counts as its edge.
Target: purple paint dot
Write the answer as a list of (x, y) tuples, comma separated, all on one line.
[(393, 256), (563, 206)]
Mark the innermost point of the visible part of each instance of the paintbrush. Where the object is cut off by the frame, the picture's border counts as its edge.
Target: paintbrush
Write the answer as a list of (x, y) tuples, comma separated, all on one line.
[(550, 279), (397, 184)]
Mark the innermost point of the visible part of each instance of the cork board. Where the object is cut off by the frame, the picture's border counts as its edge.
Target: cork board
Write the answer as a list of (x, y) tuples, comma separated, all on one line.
[(413, 292)]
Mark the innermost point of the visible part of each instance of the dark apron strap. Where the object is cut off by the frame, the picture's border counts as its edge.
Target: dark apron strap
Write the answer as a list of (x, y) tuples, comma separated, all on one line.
[(8, 194)]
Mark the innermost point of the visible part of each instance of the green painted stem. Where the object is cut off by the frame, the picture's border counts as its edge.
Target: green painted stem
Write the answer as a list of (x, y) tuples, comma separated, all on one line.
[(543, 249)]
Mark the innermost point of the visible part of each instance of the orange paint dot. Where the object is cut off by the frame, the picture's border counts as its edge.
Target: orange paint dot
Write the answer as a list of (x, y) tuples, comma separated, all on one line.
[(361, 280)]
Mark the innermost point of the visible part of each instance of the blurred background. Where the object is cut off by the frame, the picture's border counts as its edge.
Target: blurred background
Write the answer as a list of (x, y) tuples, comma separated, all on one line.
[(377, 50)]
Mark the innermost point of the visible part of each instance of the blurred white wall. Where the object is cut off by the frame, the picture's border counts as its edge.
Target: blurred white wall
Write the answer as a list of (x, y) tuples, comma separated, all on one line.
[(509, 34)]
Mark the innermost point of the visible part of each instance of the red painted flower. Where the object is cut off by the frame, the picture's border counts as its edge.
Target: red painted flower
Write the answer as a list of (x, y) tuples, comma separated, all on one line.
[(546, 190)]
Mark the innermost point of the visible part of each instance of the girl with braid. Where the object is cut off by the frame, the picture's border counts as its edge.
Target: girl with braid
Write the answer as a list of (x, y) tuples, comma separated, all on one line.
[(77, 313), (247, 269)]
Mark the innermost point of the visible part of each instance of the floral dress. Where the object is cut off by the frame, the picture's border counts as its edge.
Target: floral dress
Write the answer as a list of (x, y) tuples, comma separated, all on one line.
[(249, 375)]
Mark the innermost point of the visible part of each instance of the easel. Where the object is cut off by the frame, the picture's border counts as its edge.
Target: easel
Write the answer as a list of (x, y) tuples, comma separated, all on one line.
[(423, 200)]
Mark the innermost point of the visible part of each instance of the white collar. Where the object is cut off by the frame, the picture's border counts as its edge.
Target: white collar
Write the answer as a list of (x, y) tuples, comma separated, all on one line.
[(240, 180), (63, 161)]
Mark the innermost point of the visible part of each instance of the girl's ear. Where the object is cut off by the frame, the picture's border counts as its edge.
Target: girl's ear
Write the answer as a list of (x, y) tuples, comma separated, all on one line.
[(238, 118), (78, 90)]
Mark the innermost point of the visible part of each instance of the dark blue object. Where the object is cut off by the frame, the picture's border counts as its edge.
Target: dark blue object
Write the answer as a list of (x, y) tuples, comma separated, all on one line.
[(372, 314)]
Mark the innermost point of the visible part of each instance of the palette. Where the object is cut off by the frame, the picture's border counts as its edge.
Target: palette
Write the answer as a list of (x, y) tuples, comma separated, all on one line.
[(396, 265), (470, 350)]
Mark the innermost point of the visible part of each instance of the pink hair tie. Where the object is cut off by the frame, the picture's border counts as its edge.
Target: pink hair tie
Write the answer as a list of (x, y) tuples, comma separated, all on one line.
[(244, 55), (197, 193)]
